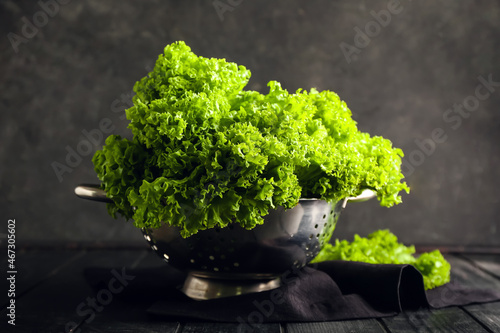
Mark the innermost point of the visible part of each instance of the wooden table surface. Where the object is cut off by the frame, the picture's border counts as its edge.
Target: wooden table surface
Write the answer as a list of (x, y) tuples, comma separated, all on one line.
[(50, 286)]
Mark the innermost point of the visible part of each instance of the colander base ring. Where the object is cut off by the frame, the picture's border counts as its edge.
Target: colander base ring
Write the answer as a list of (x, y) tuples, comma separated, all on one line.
[(200, 288)]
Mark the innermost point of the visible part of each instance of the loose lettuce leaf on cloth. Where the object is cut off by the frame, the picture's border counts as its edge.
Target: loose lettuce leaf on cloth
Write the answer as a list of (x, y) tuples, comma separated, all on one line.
[(205, 152), (382, 247)]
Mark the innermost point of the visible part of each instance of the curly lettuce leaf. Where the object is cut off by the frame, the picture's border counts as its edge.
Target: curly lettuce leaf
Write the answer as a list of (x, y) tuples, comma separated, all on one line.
[(382, 247), (434, 268), (205, 152)]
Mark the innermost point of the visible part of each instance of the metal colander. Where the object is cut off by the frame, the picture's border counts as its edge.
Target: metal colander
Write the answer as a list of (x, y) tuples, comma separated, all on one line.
[(232, 260)]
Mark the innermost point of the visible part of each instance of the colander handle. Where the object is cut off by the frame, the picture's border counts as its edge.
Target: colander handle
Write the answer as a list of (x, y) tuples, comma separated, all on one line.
[(367, 194), (92, 192)]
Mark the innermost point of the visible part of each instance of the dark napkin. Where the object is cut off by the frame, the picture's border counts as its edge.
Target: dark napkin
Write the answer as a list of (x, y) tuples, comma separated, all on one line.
[(333, 290)]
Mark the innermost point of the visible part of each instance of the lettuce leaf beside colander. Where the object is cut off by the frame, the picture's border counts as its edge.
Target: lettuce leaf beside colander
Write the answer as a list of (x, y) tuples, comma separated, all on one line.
[(382, 247)]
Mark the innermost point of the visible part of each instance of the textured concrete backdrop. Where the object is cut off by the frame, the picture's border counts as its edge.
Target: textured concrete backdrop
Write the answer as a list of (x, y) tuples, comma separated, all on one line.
[(406, 70)]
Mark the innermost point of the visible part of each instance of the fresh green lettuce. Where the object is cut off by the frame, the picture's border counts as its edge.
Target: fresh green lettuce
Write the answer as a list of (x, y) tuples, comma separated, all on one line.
[(382, 247), (205, 152)]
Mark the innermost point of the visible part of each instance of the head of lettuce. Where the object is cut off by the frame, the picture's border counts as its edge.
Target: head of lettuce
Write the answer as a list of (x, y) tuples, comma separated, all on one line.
[(205, 152)]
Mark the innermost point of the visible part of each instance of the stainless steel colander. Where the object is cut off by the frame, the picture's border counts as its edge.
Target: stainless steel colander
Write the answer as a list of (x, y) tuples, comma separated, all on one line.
[(230, 261)]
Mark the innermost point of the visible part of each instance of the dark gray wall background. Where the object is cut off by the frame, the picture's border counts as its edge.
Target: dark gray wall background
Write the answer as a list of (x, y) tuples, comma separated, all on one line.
[(79, 67)]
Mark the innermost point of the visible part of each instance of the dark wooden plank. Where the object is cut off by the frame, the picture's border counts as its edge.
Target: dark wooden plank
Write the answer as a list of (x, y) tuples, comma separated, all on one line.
[(442, 320), (453, 319), (465, 273), (130, 317), (487, 262), (487, 314), (35, 266), (230, 328), (132, 326), (52, 306), (366, 325)]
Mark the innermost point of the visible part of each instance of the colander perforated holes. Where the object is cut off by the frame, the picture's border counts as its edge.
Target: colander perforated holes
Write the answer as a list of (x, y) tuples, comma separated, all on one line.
[(311, 236), (315, 226), (211, 257), (147, 238), (154, 247), (324, 216), (236, 264), (192, 261), (216, 269)]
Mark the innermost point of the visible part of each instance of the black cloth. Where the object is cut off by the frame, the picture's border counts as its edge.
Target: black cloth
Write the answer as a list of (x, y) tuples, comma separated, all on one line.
[(333, 290)]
